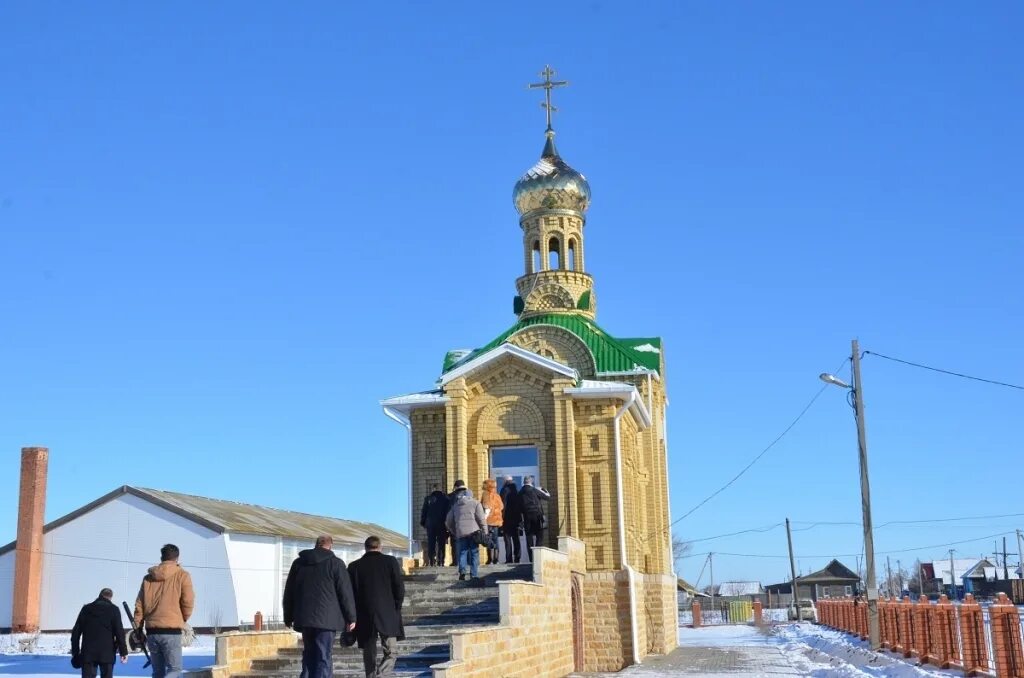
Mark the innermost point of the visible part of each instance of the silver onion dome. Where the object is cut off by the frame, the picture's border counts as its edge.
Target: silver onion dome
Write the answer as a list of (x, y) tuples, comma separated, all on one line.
[(551, 184)]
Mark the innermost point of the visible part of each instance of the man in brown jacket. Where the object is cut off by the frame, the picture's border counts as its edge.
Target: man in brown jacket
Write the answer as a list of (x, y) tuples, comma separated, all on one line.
[(164, 604)]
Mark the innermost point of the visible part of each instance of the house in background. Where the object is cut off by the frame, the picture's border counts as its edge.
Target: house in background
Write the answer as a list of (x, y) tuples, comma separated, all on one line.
[(835, 580), (739, 590), (986, 579), (687, 593), (941, 576)]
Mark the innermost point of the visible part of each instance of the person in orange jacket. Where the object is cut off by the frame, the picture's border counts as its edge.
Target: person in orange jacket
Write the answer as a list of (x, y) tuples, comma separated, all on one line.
[(493, 509)]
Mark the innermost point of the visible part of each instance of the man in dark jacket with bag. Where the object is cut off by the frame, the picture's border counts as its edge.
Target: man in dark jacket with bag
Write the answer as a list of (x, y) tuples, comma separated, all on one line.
[(530, 499), (432, 515), (379, 591), (97, 634), (318, 602), (510, 520)]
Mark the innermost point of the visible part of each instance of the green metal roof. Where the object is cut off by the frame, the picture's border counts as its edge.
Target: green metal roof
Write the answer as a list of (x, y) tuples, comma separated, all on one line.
[(610, 354)]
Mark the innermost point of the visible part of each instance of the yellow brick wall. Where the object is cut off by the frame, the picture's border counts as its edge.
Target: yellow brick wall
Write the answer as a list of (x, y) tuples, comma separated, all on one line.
[(428, 460), (608, 644), (533, 639), (659, 612), (595, 482), (235, 650)]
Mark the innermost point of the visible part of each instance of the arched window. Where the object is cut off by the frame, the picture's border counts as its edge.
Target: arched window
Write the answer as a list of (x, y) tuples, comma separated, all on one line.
[(536, 256), (554, 255), (570, 256)]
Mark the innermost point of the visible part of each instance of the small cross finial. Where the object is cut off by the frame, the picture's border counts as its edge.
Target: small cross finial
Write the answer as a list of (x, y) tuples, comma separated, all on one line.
[(547, 86)]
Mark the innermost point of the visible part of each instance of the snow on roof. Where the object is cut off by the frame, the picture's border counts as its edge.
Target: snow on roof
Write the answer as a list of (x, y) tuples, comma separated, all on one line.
[(740, 588), (960, 567)]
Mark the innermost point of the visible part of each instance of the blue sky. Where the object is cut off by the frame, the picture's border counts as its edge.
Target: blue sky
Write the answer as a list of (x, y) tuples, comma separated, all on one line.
[(227, 230)]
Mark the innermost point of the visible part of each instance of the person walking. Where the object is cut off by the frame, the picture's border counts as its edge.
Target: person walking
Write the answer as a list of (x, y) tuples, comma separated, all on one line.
[(162, 608), (493, 507), (465, 520), (318, 603), (511, 519), (530, 499), (379, 591), (97, 633), (432, 517), (452, 545)]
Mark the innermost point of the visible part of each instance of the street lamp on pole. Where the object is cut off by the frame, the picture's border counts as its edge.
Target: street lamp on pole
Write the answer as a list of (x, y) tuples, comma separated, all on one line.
[(857, 393)]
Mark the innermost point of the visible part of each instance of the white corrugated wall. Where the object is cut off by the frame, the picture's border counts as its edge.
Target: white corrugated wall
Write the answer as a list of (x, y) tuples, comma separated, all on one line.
[(256, 572), (6, 588), (114, 544)]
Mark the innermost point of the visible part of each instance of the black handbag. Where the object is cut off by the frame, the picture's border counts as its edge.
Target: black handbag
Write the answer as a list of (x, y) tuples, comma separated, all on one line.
[(482, 538)]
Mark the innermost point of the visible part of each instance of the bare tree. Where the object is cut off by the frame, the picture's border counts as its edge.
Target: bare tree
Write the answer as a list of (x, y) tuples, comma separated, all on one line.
[(680, 548)]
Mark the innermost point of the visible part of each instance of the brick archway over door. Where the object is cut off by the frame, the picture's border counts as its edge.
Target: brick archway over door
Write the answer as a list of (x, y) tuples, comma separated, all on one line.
[(577, 622)]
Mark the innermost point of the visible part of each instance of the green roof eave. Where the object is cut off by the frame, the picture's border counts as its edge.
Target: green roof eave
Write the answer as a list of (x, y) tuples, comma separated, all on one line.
[(610, 354)]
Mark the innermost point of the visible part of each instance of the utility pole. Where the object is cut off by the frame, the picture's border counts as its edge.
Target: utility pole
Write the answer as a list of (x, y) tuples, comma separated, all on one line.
[(899, 576), (920, 579), (792, 570), (1006, 568), (1020, 551), (888, 578), (865, 500), (952, 577), (711, 568)]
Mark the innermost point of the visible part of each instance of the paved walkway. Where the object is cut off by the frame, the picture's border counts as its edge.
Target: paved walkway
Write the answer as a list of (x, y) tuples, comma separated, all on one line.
[(785, 650), (723, 650)]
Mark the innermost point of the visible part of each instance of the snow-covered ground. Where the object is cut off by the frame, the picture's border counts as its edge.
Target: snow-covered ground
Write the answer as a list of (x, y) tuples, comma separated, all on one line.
[(783, 650), (809, 647), (51, 657)]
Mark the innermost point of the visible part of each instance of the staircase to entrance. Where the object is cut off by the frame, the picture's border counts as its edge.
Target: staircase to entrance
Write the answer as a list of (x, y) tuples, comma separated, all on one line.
[(436, 604)]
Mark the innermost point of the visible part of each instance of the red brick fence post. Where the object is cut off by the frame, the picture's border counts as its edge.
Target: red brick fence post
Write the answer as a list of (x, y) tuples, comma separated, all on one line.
[(972, 635), (901, 617), (696, 615), (922, 644), (1006, 640), (887, 623), (758, 613)]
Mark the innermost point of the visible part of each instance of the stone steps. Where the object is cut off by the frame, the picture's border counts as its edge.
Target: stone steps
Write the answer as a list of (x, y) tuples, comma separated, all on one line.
[(436, 604), (338, 673), (352, 659)]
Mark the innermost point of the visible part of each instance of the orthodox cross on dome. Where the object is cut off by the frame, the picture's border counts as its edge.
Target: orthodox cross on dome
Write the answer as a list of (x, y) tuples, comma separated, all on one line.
[(547, 86)]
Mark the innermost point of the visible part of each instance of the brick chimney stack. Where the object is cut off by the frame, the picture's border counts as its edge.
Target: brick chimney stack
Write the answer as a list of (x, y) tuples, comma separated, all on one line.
[(28, 560)]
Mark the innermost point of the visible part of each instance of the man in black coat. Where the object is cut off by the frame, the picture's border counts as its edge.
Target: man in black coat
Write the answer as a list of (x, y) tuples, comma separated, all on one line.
[(530, 499), (98, 632), (510, 519), (379, 589), (432, 515), (318, 602)]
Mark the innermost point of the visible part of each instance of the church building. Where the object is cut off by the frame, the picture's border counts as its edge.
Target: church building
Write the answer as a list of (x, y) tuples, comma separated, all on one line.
[(557, 397)]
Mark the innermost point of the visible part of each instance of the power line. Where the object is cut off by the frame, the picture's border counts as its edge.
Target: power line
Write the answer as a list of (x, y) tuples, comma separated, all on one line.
[(949, 372), (767, 528), (853, 555), (752, 461), (812, 525)]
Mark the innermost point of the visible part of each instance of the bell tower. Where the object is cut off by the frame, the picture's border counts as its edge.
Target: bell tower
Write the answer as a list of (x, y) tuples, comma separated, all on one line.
[(552, 199)]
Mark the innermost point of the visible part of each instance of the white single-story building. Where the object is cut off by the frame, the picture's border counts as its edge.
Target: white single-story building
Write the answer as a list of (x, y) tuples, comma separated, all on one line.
[(238, 554)]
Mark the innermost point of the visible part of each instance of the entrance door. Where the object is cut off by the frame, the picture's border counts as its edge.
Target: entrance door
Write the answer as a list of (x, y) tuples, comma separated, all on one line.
[(517, 462)]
